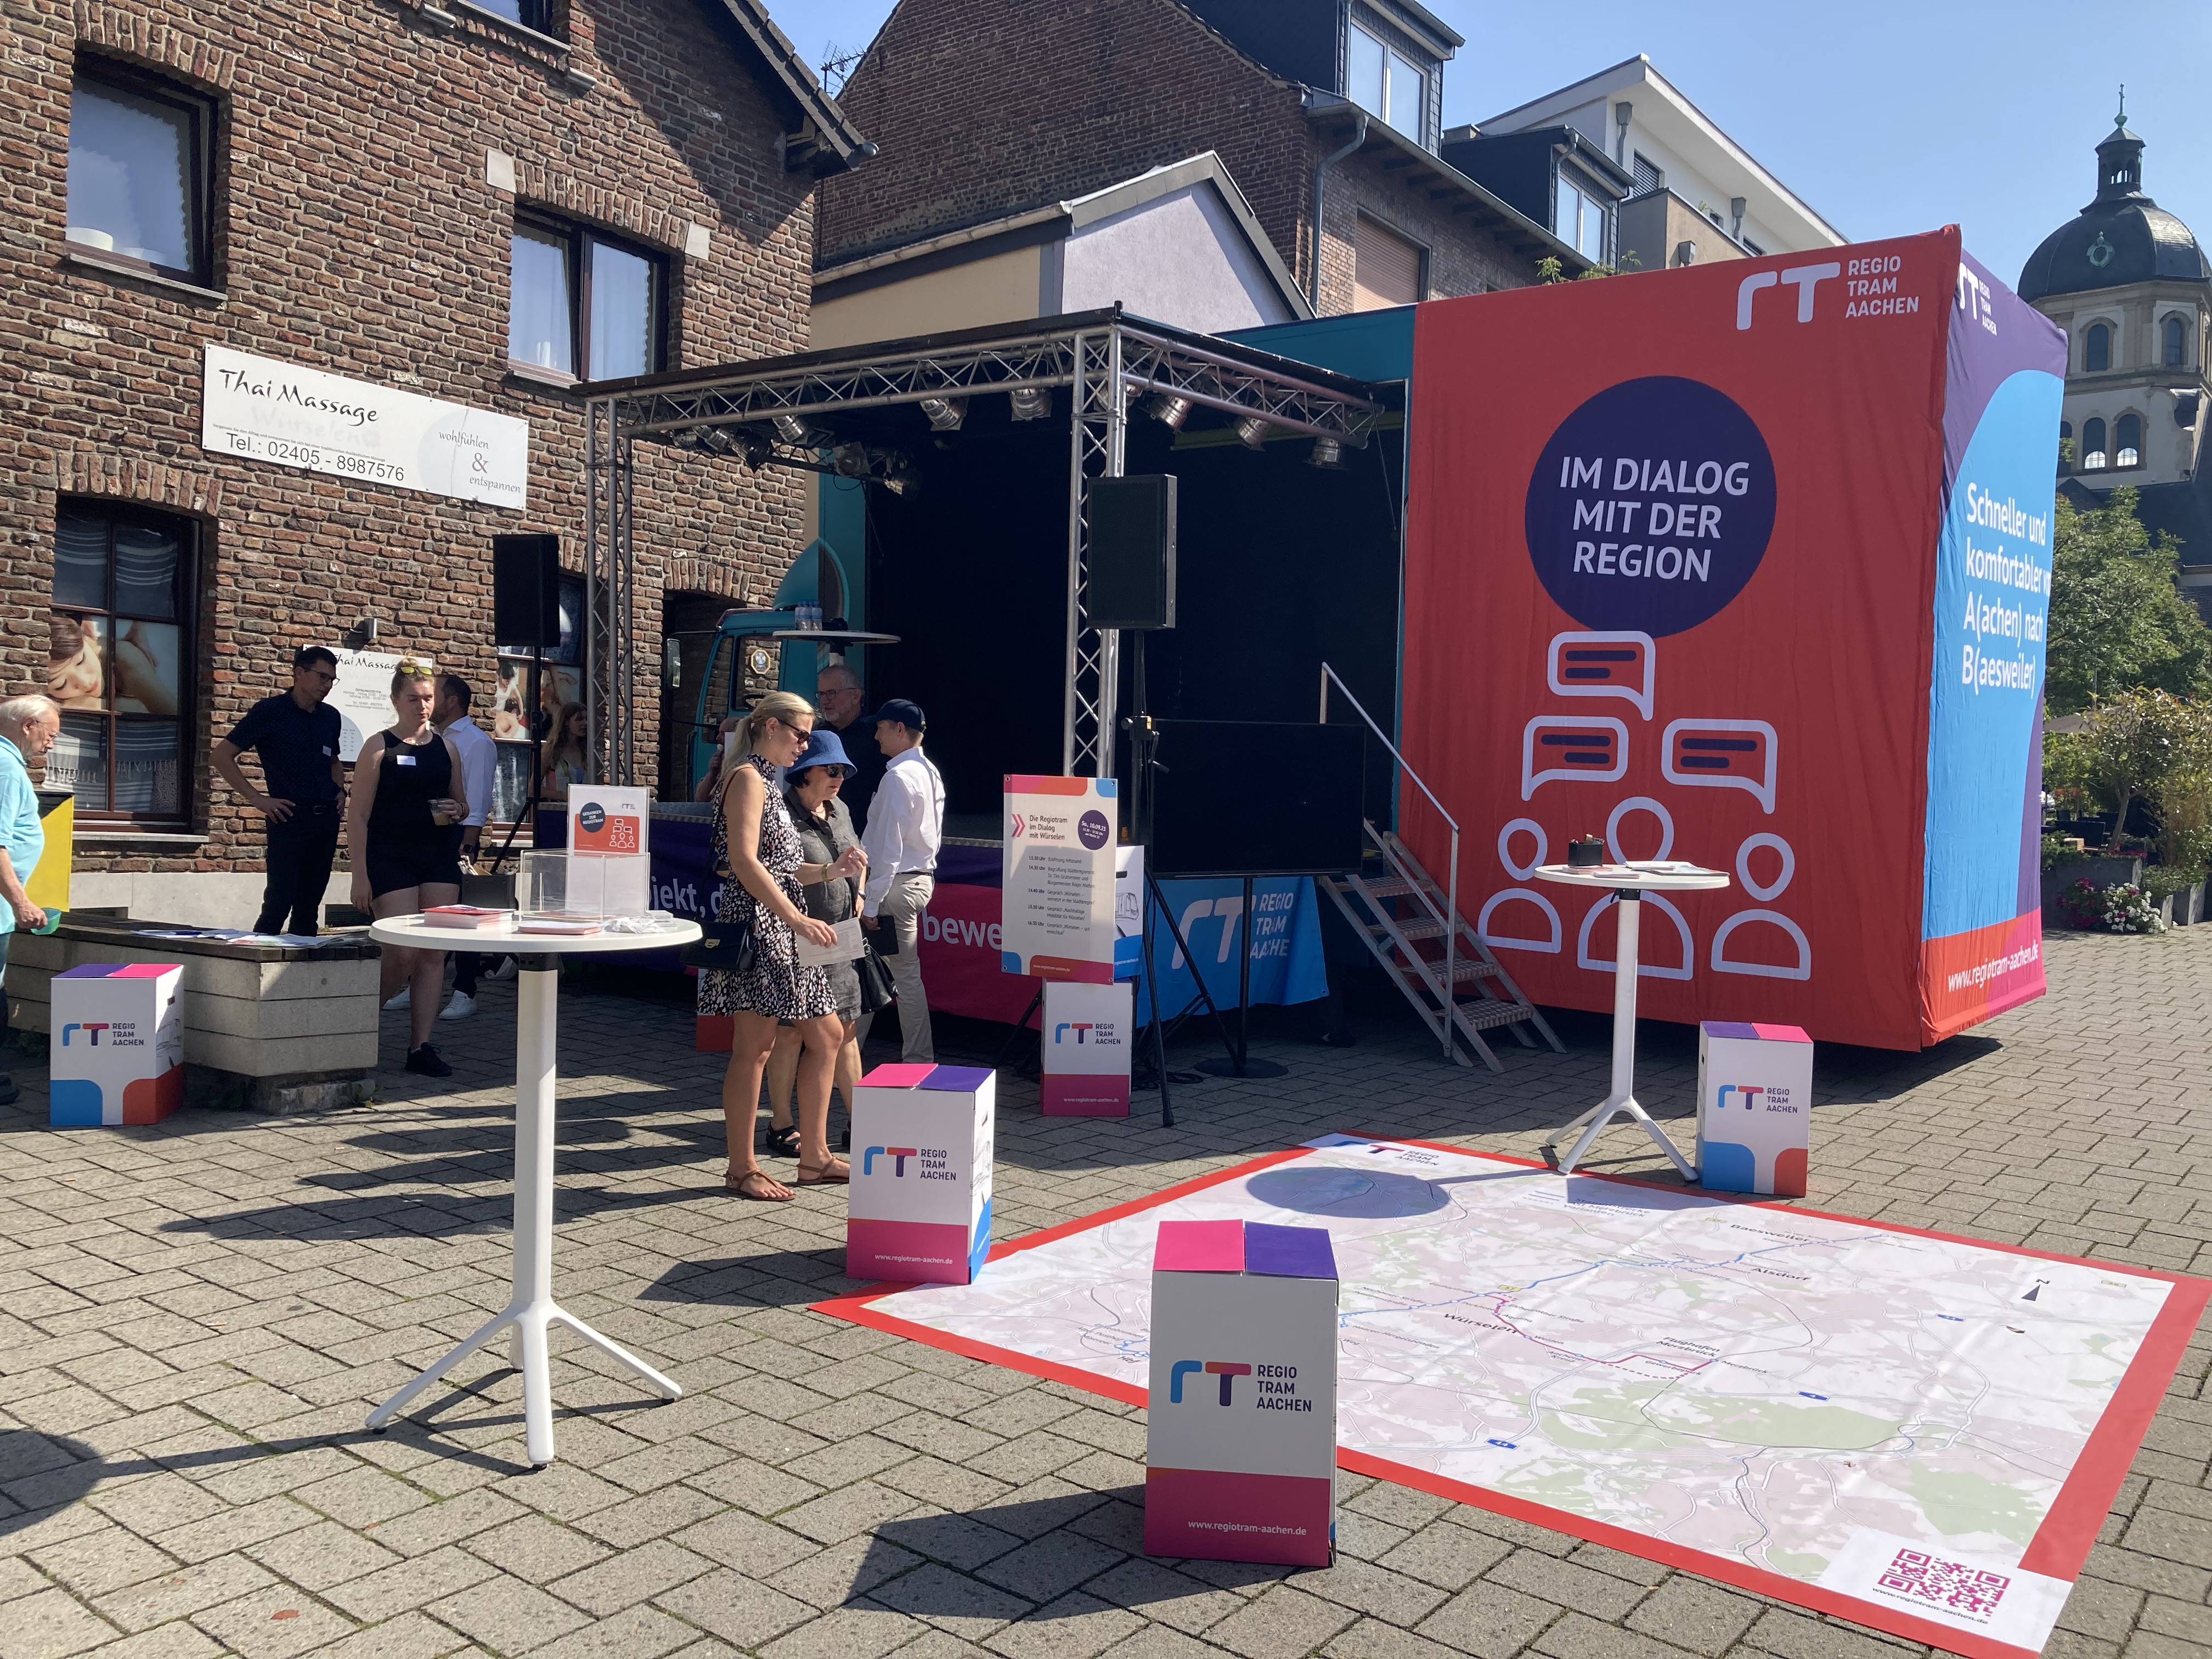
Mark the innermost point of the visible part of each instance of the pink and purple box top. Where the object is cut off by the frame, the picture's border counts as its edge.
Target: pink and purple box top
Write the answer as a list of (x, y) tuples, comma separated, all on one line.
[(950, 1079), (911, 1250), (1742, 1031), (1243, 1247)]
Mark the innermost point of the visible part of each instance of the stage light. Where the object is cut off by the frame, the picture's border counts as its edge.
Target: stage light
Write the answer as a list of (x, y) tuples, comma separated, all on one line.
[(1031, 403), (792, 430), (690, 437), (1328, 453), (716, 439), (1252, 431), (1170, 411), (756, 451), (851, 461), (944, 414), (900, 477)]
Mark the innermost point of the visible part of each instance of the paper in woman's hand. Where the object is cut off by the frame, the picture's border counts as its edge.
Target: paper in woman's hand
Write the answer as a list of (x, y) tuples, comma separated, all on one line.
[(847, 947)]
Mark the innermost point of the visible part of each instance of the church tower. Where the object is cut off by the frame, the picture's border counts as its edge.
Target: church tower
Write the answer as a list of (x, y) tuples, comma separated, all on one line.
[(2128, 284)]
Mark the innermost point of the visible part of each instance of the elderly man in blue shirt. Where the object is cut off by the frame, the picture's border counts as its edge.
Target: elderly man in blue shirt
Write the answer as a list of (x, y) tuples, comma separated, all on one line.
[(28, 726)]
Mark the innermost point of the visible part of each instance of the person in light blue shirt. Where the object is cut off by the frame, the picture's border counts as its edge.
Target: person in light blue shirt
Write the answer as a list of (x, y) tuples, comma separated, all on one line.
[(28, 726)]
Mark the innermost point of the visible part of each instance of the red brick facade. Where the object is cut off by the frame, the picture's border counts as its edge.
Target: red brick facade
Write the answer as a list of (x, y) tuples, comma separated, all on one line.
[(355, 232), (982, 108)]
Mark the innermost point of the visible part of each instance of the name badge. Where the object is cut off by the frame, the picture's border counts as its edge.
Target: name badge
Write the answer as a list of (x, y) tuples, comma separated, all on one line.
[(406, 760)]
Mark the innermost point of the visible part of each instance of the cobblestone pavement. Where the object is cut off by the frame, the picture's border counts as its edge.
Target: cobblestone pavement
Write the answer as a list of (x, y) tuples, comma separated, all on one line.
[(194, 1317)]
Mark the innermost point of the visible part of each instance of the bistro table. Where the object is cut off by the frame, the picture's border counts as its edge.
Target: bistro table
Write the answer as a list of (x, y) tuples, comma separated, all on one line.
[(531, 1309), (1629, 883)]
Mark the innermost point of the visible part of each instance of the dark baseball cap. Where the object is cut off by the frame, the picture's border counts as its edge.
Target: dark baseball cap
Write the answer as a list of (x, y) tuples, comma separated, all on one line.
[(902, 712)]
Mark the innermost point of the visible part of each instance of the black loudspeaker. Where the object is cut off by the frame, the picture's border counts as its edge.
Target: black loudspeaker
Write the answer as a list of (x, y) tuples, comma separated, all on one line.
[(1253, 797), (526, 593), (1130, 560)]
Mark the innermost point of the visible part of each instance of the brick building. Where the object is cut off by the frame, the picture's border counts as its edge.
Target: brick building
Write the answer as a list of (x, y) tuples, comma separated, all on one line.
[(984, 109), (479, 203)]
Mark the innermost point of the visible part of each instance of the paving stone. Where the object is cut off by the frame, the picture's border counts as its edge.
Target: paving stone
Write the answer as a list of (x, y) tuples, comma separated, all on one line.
[(180, 1595), (637, 1633), (952, 1601), (175, 1641), (92, 1564), (739, 1609), (629, 1577), (1372, 1638), (1050, 1566), (507, 1615), (1561, 1582), (1281, 1623), (1159, 1592), (322, 1555), (273, 1623), (1075, 1627), (1451, 1557), (410, 1584), (863, 1631), (1689, 1614), (1489, 1620), (51, 1625)]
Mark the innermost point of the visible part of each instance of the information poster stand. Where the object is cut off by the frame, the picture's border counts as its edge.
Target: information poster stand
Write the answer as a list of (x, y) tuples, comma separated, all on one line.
[(1239, 1448), (1057, 922)]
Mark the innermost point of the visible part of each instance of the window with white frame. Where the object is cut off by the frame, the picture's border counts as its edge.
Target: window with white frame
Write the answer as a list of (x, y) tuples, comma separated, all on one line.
[(2127, 441), (2095, 456), (1579, 218), (1384, 82)]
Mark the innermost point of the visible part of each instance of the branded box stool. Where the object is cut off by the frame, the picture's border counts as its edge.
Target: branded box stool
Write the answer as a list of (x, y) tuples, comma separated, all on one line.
[(117, 1036), (1241, 1447), (919, 1209), (1754, 1107), (1088, 1035)]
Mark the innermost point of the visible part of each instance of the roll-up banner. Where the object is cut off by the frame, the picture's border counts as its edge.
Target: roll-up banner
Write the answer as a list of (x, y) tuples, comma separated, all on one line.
[(1757, 556)]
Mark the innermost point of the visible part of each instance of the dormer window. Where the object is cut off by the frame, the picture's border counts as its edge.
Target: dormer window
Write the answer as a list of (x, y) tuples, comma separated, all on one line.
[(1579, 218), (1385, 82)]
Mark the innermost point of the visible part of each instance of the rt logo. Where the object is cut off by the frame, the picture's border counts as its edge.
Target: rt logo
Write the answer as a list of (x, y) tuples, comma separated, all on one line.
[(1078, 1026), (91, 1030), (1750, 1096), (1226, 1370), (1803, 278), (898, 1155)]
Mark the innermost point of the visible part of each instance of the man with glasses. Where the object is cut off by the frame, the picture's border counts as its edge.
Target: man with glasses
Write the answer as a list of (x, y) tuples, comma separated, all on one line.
[(837, 695), (296, 734)]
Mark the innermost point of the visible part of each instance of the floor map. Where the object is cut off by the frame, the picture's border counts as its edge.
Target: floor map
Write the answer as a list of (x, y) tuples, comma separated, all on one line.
[(1919, 1432)]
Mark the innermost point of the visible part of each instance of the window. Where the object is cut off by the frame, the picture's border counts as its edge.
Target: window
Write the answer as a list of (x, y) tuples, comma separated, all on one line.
[(1649, 176), (137, 171), (1385, 82), (1386, 268), (2065, 445), (531, 14), (121, 639), (2092, 445), (1579, 220), (2176, 352), (583, 304), (2127, 441), (2097, 348)]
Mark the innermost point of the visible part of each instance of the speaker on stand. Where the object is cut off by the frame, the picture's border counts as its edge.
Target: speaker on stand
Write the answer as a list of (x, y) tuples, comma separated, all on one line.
[(525, 608)]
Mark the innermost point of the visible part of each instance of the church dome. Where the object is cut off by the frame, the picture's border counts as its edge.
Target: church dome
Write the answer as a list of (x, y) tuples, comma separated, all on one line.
[(2122, 237)]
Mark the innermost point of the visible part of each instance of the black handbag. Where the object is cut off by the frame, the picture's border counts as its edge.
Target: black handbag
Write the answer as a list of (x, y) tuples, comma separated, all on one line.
[(877, 993), (720, 945)]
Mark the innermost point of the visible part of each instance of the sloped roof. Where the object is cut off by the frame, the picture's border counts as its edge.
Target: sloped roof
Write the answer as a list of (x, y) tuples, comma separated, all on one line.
[(828, 141)]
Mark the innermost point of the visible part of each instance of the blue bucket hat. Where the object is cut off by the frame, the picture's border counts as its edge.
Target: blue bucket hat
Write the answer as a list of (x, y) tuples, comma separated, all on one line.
[(821, 749)]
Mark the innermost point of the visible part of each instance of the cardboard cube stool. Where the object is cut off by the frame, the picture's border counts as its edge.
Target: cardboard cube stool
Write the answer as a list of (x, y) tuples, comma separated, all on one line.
[(1239, 1448), (1090, 1033), (117, 1036), (919, 1208), (1754, 1107)]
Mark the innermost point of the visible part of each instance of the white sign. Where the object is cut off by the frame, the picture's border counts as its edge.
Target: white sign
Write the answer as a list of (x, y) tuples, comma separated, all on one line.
[(1754, 1107), (362, 697), (1090, 1034), (610, 818), (268, 411), (1057, 891)]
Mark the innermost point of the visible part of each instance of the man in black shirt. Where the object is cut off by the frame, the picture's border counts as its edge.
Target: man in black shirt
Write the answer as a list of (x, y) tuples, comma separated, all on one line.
[(296, 737), (837, 696)]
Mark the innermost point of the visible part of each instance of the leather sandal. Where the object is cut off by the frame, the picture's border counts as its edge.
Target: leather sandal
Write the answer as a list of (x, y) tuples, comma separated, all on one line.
[(742, 1185), (782, 1143), (835, 1172)]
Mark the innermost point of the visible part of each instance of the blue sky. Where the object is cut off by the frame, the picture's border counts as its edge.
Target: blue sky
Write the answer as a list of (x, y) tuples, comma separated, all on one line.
[(1887, 117)]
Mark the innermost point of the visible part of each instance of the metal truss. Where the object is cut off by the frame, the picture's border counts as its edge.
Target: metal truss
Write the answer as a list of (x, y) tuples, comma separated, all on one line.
[(1105, 361)]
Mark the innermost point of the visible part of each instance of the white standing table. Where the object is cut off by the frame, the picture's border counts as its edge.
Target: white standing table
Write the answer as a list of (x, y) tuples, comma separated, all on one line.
[(1629, 885), (531, 1309)]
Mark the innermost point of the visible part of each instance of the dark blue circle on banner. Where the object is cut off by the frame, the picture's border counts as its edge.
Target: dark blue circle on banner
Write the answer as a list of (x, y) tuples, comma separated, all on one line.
[(592, 816), (1651, 506), (1092, 829)]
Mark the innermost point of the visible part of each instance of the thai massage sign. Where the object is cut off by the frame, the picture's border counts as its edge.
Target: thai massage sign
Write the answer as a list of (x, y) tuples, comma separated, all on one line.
[(267, 411)]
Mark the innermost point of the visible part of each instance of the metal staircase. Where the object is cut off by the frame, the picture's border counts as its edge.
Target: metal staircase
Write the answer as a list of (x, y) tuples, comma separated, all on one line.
[(1413, 927)]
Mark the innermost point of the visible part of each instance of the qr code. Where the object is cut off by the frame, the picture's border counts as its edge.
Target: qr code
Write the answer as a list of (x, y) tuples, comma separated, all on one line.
[(1953, 1584)]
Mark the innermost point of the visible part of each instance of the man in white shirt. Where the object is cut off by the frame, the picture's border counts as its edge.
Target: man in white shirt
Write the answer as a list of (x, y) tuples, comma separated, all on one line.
[(906, 826), (479, 774)]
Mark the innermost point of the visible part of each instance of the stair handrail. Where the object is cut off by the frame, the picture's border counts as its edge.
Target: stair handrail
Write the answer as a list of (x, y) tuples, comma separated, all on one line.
[(1451, 900)]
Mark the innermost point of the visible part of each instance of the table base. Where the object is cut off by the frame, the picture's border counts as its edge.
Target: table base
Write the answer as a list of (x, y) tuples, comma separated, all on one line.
[(529, 1353), (1595, 1120)]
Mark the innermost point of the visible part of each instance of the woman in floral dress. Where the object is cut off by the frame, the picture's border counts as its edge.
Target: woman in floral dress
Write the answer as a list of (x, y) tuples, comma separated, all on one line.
[(758, 846)]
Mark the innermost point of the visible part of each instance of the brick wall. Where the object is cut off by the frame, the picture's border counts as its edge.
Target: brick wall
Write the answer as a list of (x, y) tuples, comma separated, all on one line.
[(355, 233), (982, 108)]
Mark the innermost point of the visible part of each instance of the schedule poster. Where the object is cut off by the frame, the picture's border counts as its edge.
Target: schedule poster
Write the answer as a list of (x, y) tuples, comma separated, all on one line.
[(1057, 922), (1754, 569)]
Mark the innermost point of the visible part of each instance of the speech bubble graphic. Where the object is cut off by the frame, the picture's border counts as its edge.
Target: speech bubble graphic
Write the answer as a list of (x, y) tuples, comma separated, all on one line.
[(1721, 755), (1593, 750), (1620, 665)]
